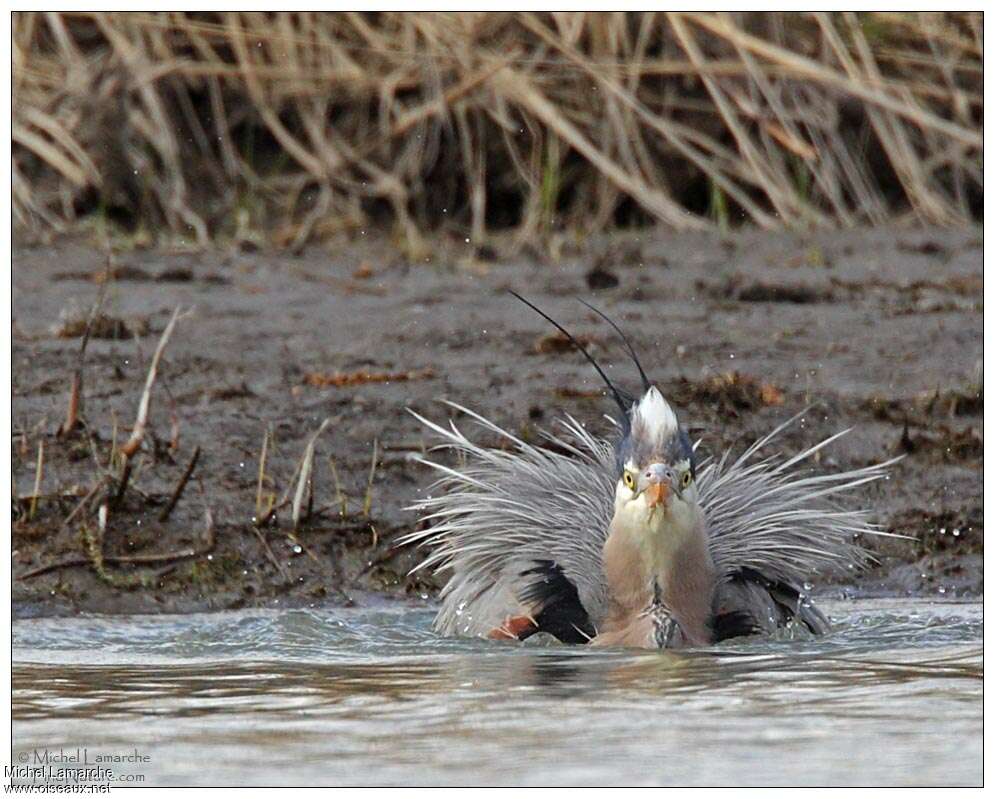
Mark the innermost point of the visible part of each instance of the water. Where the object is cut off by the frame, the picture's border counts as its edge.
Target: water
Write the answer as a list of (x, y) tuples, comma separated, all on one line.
[(892, 696)]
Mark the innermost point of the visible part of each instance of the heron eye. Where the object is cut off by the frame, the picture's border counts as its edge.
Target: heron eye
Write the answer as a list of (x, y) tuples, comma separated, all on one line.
[(629, 480), (686, 479)]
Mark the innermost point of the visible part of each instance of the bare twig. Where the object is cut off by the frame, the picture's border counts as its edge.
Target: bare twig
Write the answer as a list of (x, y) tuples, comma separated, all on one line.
[(76, 387), (182, 484), (111, 457), (135, 560), (122, 483), (270, 555), (101, 483), (92, 443), (274, 508)]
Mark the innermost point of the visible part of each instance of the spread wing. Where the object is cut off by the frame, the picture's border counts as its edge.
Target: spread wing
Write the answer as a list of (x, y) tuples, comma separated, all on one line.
[(500, 514), (521, 530)]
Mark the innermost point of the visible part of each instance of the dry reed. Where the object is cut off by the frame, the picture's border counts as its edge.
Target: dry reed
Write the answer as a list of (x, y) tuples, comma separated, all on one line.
[(296, 126)]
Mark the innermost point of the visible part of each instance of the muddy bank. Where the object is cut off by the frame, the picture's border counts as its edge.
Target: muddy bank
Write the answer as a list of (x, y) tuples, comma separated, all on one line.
[(877, 330)]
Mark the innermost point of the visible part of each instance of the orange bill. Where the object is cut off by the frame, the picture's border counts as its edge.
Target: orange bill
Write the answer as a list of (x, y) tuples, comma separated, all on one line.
[(657, 494)]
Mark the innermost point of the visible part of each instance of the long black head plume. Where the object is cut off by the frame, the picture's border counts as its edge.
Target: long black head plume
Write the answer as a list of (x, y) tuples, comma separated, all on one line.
[(628, 345), (619, 399)]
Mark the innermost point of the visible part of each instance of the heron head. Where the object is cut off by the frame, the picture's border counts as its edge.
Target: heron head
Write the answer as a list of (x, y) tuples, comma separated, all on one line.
[(655, 455), (657, 478)]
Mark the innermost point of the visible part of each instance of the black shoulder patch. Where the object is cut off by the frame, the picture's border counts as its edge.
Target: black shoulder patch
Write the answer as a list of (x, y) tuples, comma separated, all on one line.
[(733, 624), (556, 605)]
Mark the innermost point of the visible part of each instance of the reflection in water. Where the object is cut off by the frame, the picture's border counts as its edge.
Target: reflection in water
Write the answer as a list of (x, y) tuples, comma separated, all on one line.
[(373, 697)]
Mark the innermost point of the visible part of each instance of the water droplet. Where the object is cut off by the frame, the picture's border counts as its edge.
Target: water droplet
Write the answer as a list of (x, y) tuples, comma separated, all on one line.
[(297, 549), (807, 586)]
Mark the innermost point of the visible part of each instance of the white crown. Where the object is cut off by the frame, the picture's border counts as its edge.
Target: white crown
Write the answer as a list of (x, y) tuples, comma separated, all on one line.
[(657, 419)]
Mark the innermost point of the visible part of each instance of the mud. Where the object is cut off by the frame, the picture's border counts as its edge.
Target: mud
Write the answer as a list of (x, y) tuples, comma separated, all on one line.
[(876, 330)]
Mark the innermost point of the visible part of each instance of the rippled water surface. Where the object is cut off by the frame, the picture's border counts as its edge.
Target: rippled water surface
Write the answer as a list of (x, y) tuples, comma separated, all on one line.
[(373, 697)]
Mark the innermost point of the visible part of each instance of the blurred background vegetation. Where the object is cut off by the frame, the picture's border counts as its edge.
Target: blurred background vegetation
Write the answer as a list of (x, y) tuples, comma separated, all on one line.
[(284, 128)]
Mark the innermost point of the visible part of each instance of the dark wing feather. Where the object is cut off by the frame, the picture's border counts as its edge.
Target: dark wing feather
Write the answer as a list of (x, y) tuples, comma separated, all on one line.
[(555, 604), (788, 600), (733, 624)]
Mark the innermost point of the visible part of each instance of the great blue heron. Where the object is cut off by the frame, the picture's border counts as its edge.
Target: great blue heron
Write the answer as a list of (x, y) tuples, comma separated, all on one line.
[(633, 542)]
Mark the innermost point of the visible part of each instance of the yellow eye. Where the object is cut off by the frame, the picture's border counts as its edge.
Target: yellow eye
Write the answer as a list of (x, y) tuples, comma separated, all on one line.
[(629, 480), (686, 479)]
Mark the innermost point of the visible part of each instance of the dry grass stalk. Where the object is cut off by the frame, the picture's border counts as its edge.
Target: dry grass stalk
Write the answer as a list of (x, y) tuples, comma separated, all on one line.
[(174, 427), (305, 473), (39, 471), (368, 496), (262, 477), (285, 497), (130, 447), (340, 496)]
